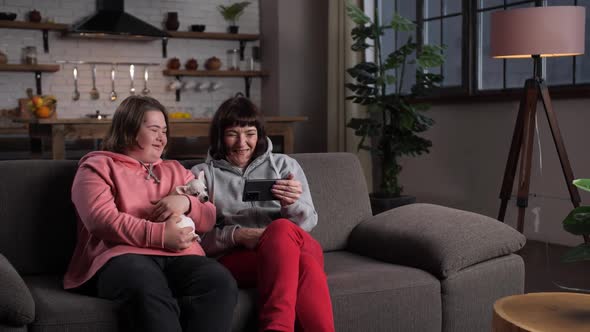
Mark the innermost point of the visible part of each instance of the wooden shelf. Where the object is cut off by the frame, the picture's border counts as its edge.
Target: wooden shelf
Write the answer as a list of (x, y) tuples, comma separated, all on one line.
[(246, 74), (241, 37), (44, 27), (37, 69), (215, 73), (29, 68), (32, 26), (213, 35)]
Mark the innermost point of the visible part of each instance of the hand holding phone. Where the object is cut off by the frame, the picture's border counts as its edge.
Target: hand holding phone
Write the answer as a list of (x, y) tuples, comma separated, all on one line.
[(287, 190)]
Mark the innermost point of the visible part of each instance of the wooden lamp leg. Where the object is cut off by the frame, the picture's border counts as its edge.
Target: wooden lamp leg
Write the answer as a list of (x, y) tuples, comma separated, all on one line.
[(522, 148)]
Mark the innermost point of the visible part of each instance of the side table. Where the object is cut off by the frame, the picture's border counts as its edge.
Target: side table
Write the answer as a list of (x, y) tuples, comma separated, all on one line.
[(542, 312)]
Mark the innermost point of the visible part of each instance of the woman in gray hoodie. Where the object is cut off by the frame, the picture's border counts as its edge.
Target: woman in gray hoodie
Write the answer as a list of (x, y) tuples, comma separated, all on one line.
[(265, 244)]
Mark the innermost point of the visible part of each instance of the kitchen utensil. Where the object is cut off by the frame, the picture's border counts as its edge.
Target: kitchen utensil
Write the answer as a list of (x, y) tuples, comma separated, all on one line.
[(203, 86), (145, 90), (215, 86), (94, 94), (131, 73), (174, 85), (113, 93), (76, 94), (97, 115)]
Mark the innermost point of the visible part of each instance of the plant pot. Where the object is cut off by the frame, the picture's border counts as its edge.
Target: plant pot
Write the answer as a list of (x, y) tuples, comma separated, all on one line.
[(382, 204), (233, 29)]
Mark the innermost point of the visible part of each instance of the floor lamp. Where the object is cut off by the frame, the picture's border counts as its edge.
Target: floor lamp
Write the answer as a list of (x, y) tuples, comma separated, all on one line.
[(535, 32)]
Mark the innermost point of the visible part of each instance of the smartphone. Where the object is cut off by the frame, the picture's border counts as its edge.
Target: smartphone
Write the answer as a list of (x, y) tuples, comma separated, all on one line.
[(258, 190)]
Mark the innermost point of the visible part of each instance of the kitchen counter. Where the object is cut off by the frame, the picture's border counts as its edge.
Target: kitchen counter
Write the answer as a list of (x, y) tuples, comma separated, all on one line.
[(58, 130)]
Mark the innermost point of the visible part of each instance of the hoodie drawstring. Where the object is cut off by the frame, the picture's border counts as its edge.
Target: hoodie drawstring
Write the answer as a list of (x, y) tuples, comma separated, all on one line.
[(150, 172)]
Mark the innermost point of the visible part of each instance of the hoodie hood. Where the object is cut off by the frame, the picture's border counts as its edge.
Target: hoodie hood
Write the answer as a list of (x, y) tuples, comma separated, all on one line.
[(124, 160), (118, 157), (112, 22), (224, 164)]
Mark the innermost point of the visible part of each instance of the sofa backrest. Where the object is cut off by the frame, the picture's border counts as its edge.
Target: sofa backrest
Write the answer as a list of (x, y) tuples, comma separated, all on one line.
[(38, 220), (339, 193)]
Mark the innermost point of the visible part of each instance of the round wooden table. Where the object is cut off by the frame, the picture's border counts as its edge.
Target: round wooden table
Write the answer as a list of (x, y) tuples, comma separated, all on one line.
[(542, 312)]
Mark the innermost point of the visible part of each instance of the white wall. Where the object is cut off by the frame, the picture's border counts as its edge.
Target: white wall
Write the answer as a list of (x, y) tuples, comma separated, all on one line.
[(468, 157), (60, 84)]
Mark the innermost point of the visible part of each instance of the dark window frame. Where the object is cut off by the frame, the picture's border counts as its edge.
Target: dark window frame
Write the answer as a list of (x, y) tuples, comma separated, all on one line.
[(468, 90)]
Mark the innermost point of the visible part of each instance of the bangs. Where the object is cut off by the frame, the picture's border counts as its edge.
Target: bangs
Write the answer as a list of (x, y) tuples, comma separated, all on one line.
[(241, 117)]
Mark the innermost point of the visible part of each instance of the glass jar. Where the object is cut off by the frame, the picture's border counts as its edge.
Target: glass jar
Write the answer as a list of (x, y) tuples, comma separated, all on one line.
[(233, 59), (30, 55)]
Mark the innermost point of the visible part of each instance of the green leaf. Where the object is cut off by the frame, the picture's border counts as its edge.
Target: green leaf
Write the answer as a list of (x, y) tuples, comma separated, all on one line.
[(430, 56), (390, 79), (576, 254), (356, 14), (583, 184), (232, 12), (577, 221), (400, 23)]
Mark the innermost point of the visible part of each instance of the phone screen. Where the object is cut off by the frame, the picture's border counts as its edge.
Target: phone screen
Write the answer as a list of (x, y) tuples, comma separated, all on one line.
[(258, 190)]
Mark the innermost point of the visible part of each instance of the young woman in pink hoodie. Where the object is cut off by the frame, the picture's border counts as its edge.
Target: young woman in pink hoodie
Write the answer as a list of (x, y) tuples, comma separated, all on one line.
[(129, 248)]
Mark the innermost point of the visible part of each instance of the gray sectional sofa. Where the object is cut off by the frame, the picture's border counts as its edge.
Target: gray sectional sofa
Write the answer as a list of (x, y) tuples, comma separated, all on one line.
[(419, 267)]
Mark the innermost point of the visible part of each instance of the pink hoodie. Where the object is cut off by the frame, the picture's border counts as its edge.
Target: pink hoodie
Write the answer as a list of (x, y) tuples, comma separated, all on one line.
[(114, 200)]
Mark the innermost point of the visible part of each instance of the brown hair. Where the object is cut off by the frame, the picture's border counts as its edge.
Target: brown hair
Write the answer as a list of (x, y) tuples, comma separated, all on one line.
[(236, 111), (127, 121)]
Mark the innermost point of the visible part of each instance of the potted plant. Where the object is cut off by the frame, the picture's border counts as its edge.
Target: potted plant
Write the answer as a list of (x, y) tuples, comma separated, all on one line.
[(390, 131), (577, 222), (231, 14)]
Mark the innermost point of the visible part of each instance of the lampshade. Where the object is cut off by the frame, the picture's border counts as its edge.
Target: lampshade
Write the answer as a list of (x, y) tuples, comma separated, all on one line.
[(544, 31)]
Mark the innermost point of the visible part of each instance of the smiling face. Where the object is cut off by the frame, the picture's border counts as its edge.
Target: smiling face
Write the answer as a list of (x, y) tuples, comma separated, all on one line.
[(240, 143), (151, 138)]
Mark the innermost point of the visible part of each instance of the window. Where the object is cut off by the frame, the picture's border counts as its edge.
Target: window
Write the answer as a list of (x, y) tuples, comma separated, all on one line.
[(463, 26)]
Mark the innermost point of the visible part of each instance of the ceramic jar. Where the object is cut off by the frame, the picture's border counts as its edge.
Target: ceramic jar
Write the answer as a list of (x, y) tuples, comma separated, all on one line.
[(172, 22)]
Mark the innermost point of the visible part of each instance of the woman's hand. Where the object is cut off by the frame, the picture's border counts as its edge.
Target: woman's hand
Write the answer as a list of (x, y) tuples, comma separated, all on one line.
[(248, 237), (287, 190), (175, 238), (169, 205)]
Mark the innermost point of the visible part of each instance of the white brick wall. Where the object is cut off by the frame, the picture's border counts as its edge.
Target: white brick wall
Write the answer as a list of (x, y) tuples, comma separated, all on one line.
[(61, 83)]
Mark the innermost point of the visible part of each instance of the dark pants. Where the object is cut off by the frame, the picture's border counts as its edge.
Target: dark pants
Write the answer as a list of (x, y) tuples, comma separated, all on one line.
[(157, 293)]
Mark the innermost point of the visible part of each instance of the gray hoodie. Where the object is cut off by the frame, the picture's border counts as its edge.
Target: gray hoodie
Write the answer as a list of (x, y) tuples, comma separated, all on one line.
[(225, 183)]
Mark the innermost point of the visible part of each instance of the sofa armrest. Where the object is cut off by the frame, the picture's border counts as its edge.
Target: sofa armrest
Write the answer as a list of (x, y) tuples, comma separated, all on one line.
[(16, 302), (434, 238)]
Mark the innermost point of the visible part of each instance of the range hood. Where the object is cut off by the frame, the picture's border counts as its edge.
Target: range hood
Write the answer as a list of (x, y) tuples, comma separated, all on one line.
[(111, 22)]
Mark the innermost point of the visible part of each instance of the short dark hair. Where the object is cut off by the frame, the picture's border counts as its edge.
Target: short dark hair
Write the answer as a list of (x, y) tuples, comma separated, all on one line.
[(236, 111), (127, 121)]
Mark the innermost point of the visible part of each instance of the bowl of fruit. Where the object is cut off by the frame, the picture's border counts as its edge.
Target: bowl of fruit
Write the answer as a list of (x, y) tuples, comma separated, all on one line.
[(43, 107)]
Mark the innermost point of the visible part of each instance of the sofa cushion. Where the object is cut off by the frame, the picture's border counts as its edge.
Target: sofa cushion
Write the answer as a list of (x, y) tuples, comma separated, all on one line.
[(59, 310), (16, 303), (369, 295), (336, 177), (434, 238), (37, 214)]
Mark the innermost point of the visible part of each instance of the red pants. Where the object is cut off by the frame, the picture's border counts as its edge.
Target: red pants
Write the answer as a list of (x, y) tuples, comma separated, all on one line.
[(287, 267)]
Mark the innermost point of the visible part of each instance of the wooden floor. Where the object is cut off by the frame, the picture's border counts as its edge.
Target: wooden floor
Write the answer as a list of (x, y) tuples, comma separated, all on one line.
[(544, 269)]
